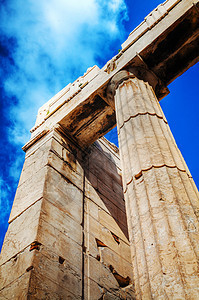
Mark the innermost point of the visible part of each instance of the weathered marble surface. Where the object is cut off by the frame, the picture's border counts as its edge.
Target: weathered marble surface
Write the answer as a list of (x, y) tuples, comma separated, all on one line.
[(66, 201), (161, 199)]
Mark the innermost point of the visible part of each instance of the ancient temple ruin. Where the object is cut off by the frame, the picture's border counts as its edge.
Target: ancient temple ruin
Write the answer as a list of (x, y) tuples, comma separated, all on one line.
[(90, 221)]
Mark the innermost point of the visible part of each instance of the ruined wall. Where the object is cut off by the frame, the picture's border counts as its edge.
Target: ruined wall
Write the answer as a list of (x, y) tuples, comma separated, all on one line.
[(67, 237)]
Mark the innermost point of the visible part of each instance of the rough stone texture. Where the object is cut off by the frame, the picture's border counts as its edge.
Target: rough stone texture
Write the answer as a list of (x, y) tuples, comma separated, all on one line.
[(63, 207), (161, 199)]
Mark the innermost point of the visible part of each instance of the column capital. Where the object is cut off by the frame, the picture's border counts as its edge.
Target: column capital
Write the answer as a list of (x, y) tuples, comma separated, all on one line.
[(140, 72), (116, 80)]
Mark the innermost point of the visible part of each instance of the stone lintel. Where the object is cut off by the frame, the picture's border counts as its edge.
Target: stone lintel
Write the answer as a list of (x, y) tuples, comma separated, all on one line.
[(150, 21)]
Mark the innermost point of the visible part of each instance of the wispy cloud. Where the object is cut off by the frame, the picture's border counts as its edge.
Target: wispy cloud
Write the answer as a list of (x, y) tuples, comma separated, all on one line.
[(54, 41)]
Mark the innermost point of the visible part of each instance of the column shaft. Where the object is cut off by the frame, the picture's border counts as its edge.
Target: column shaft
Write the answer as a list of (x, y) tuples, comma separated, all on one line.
[(161, 198)]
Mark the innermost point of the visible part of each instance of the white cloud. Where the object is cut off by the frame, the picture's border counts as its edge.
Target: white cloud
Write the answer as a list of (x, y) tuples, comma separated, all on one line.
[(56, 41)]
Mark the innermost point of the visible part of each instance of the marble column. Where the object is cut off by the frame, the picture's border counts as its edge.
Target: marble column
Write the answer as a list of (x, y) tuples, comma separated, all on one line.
[(161, 198)]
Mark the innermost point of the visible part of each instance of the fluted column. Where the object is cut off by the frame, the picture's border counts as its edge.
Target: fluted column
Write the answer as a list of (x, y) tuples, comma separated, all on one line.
[(161, 198)]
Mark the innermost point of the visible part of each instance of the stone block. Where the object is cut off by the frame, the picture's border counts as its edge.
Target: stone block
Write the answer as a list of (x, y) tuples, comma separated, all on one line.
[(111, 203), (65, 169), (91, 245), (117, 186), (95, 292), (42, 287), (108, 193), (110, 172), (50, 270), (63, 194), (91, 224), (95, 230), (124, 229), (59, 243), (92, 290), (103, 161), (15, 268), (96, 159), (105, 147), (100, 172), (32, 165), (56, 147), (40, 151), (91, 208), (107, 221), (91, 179), (71, 159), (99, 273), (111, 256), (62, 221), (17, 289), (114, 172), (21, 232), (109, 207), (91, 193), (66, 153), (28, 193), (121, 266), (121, 218)]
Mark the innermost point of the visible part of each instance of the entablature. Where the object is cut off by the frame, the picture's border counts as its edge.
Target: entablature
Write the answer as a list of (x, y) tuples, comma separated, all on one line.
[(165, 45)]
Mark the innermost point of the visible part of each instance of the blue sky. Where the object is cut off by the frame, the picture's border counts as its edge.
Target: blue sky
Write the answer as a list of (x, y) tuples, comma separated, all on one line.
[(46, 44)]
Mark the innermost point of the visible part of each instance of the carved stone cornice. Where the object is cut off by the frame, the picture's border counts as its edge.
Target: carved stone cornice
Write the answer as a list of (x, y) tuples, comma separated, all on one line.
[(35, 139)]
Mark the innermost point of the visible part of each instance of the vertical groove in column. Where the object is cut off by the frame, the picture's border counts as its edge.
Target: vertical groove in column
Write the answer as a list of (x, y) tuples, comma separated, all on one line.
[(180, 216), (193, 198), (176, 155), (182, 211), (144, 214), (191, 210), (148, 239), (161, 199), (134, 218), (185, 207), (131, 236), (133, 248), (156, 127), (130, 138), (140, 240), (183, 241), (159, 216), (191, 192)]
